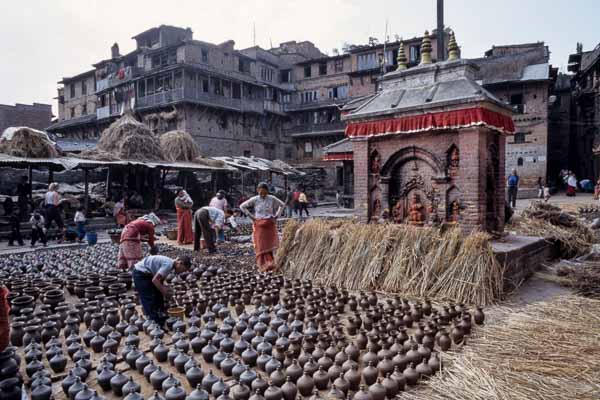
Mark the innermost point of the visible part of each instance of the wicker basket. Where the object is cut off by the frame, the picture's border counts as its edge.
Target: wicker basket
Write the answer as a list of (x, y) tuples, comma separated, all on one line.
[(171, 234)]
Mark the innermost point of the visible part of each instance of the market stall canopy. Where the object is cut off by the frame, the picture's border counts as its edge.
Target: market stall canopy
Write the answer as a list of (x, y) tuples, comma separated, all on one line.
[(260, 164)]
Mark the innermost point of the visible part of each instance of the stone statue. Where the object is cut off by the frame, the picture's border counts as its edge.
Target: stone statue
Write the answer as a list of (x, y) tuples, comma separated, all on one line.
[(454, 211), (375, 164), (454, 162), (416, 211), (397, 212)]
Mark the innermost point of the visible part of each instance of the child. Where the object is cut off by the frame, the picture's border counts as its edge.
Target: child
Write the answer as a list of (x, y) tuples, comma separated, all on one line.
[(80, 222), (15, 228), (546, 193), (38, 230)]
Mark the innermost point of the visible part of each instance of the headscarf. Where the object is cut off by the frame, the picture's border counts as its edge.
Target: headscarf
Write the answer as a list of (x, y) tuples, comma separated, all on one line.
[(186, 198), (152, 218)]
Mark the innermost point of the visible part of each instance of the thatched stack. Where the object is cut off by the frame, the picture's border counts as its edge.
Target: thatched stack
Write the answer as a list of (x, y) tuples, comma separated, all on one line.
[(129, 139), (553, 224), (179, 146), (27, 142), (413, 261), (546, 351)]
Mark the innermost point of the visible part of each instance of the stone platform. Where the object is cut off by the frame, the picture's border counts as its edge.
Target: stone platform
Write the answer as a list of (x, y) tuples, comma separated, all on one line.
[(522, 255)]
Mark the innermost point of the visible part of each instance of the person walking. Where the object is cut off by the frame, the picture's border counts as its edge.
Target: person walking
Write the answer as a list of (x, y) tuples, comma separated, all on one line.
[(23, 190), (120, 213), (38, 229), (303, 200), (15, 228), (289, 203), (296, 198), (220, 202), (149, 277), (80, 224), (572, 185), (130, 247), (513, 188), (540, 186), (208, 222), (184, 204), (51, 202), (267, 209)]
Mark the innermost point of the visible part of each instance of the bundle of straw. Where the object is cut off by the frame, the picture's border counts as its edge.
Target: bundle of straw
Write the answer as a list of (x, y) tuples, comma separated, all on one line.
[(179, 146), (547, 351), (414, 261), (27, 142), (129, 139)]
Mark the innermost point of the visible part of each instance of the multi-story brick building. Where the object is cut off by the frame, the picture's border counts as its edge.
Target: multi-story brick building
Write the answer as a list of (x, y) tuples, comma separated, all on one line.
[(229, 100), (585, 113), (36, 115)]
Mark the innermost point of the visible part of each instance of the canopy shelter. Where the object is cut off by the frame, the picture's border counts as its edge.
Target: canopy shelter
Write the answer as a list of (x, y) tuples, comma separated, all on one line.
[(257, 165), (73, 163)]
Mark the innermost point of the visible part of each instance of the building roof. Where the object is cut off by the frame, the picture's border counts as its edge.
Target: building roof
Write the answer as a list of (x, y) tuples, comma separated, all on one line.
[(78, 76), (536, 72), (518, 67), (342, 146), (86, 119), (590, 58), (71, 145), (427, 87), (259, 164)]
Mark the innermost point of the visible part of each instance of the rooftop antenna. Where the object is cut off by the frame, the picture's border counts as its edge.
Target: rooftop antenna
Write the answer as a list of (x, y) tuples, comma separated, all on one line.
[(271, 41), (441, 54), (384, 58)]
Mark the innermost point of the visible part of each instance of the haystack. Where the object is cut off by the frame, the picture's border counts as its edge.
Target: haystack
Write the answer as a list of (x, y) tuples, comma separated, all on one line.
[(546, 351), (129, 139), (556, 226), (402, 259), (179, 146), (209, 162), (27, 142)]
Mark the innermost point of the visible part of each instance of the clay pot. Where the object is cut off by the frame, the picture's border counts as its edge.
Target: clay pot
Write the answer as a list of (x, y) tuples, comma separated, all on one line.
[(342, 384), (278, 377), (479, 316), (16, 333), (321, 379), (149, 369), (362, 394), (75, 388), (58, 363), (117, 382), (240, 391), (399, 378), (40, 392), (353, 378), (104, 378), (157, 378), (209, 380), (218, 388), (411, 375), (289, 390), (198, 394), (169, 382), (369, 374), (456, 334), (444, 341), (274, 393), (435, 363)]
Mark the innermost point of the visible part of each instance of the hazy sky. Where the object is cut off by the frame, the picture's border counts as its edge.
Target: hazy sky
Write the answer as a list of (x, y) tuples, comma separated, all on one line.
[(45, 40)]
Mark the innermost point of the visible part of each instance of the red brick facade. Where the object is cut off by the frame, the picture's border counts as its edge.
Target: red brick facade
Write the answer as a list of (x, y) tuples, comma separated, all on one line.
[(421, 163)]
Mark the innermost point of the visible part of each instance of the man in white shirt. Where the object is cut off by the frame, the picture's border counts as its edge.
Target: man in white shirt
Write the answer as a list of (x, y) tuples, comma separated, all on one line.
[(205, 219)]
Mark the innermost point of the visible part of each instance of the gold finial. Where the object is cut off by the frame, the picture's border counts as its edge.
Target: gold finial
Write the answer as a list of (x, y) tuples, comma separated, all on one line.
[(452, 48), (402, 60), (426, 49)]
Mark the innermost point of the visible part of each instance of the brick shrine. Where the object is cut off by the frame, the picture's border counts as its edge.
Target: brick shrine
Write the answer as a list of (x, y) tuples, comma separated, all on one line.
[(430, 147)]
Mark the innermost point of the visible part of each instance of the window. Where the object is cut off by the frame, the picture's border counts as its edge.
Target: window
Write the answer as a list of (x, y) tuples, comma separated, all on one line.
[(84, 109), (142, 89), (286, 76), (307, 71), (367, 61), (338, 66), (236, 91), (244, 65), (516, 100), (339, 92), (340, 176), (308, 150), (266, 74), (72, 112), (205, 85), (204, 55), (286, 99), (519, 137), (72, 88), (323, 69), (163, 59), (83, 88), (287, 152), (520, 162), (247, 153), (415, 54)]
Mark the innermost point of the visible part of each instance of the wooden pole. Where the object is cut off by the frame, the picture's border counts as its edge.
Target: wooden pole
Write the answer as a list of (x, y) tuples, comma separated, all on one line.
[(108, 184), (87, 191), (30, 176), (50, 175)]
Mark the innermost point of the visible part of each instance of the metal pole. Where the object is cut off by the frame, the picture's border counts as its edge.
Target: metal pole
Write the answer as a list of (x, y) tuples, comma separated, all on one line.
[(441, 54), (86, 184)]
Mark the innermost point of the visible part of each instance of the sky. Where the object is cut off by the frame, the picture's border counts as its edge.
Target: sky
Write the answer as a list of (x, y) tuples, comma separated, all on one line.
[(46, 40)]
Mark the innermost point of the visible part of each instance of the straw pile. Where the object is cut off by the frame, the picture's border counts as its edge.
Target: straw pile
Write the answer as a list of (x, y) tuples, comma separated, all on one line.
[(210, 162), (582, 275), (27, 142), (554, 225), (129, 139), (546, 351), (413, 261), (179, 146)]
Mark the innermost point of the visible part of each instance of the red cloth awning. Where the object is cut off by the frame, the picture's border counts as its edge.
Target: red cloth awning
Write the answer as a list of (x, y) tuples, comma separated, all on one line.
[(427, 122), (338, 157)]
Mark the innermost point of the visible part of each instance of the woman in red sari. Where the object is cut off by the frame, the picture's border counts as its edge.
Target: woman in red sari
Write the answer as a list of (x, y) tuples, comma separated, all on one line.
[(183, 204), (130, 248), (267, 209)]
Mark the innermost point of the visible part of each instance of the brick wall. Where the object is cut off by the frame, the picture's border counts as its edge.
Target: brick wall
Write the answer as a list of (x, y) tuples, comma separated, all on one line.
[(36, 116)]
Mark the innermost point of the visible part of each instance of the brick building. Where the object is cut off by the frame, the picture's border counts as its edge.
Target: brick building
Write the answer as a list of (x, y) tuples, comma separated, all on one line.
[(520, 75), (36, 115), (230, 101), (585, 113), (430, 147)]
